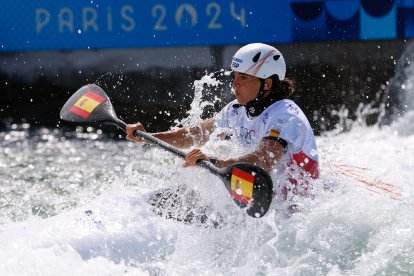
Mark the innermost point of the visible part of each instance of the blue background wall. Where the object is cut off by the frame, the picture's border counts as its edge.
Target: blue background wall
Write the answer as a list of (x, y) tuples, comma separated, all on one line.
[(147, 54), (79, 24)]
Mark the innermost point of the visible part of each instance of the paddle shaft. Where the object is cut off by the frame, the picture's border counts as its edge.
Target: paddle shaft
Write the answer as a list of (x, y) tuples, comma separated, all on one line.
[(203, 163), (250, 187)]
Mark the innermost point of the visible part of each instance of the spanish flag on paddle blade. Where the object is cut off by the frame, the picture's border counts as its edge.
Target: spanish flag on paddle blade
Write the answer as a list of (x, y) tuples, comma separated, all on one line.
[(241, 185), (86, 104)]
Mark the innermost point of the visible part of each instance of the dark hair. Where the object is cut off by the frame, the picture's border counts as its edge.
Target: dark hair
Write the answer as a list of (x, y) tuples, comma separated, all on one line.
[(283, 88)]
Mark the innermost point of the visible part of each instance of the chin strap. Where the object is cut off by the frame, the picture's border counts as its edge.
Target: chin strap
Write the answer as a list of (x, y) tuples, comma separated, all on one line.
[(260, 103), (261, 90)]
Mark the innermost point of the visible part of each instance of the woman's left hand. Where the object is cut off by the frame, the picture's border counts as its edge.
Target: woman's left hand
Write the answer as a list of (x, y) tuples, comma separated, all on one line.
[(193, 156)]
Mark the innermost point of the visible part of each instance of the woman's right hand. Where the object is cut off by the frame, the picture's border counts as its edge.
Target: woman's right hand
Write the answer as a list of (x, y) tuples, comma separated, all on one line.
[(130, 128)]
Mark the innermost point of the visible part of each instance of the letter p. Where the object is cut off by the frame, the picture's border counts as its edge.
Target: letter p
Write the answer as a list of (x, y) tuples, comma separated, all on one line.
[(42, 19)]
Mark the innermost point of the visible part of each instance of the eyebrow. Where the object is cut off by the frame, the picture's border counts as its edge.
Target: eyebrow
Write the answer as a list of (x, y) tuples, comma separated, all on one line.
[(243, 74)]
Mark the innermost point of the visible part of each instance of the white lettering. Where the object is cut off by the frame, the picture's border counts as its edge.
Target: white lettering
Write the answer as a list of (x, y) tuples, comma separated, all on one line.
[(109, 19), (124, 13), (89, 21), (241, 17), (159, 11), (66, 20), (42, 19), (214, 10), (179, 14)]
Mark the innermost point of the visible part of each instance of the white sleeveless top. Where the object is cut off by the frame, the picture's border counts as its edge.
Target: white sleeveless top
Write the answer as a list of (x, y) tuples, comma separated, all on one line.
[(282, 119)]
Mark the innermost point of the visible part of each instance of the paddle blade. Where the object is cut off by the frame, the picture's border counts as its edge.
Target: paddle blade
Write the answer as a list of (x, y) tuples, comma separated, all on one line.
[(250, 186), (88, 105)]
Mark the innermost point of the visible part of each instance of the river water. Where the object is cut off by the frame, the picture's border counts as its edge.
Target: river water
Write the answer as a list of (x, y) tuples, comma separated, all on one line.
[(75, 203)]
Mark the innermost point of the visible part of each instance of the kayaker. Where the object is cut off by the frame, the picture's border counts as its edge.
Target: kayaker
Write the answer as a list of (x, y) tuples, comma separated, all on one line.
[(263, 118)]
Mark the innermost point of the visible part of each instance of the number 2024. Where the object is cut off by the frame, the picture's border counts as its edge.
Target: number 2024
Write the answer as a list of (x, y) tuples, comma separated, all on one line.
[(213, 11)]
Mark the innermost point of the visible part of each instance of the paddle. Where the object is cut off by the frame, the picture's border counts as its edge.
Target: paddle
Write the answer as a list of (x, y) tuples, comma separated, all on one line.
[(249, 185)]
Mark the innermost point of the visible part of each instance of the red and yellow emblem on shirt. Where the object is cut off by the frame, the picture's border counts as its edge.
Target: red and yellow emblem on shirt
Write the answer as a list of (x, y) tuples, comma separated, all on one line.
[(274, 133), (241, 185), (86, 104)]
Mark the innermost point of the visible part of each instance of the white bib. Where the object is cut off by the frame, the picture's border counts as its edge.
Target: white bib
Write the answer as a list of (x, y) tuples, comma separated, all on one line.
[(282, 119)]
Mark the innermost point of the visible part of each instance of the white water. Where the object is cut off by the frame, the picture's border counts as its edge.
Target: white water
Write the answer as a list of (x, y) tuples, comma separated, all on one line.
[(48, 181)]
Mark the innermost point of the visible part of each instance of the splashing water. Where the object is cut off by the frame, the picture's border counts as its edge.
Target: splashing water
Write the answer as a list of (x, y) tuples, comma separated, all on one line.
[(398, 98), (76, 203), (198, 104)]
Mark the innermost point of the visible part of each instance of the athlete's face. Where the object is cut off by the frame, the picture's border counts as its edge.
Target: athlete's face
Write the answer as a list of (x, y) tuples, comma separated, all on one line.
[(245, 87)]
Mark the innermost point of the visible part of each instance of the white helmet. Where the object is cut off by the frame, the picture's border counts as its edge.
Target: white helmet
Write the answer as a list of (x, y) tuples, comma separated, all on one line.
[(259, 60)]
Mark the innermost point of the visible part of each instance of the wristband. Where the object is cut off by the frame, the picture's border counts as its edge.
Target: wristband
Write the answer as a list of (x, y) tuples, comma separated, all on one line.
[(213, 160)]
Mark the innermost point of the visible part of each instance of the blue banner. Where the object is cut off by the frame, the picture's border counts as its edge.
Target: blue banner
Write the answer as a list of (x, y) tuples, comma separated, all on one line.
[(79, 24)]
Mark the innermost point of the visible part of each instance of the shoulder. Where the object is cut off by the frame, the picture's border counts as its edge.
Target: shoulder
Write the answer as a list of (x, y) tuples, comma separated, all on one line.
[(281, 110), (286, 110), (284, 114), (285, 106)]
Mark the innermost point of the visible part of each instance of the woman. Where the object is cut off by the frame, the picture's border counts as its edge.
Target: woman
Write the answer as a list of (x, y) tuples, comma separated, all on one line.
[(262, 116)]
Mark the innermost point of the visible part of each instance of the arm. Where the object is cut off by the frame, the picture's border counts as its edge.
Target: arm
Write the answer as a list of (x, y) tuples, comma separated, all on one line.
[(182, 138), (266, 156), (268, 153)]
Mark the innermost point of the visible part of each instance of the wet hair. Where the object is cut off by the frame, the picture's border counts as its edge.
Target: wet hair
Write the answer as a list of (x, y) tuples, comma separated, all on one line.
[(283, 88)]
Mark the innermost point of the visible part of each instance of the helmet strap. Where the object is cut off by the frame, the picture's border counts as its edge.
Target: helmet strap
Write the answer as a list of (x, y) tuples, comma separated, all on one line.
[(261, 90)]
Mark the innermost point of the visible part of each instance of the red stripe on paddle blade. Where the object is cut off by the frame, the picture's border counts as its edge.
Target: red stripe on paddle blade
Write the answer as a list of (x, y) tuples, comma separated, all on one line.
[(94, 96), (241, 198), (78, 111), (242, 174)]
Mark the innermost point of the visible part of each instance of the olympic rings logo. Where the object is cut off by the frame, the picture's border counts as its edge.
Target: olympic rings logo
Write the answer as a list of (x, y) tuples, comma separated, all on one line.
[(247, 135)]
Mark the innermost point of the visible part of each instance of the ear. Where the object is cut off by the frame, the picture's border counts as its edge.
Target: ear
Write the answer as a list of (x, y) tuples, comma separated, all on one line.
[(268, 84)]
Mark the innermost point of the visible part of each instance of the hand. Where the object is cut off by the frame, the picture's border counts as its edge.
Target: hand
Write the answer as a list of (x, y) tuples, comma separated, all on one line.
[(193, 156), (130, 128)]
